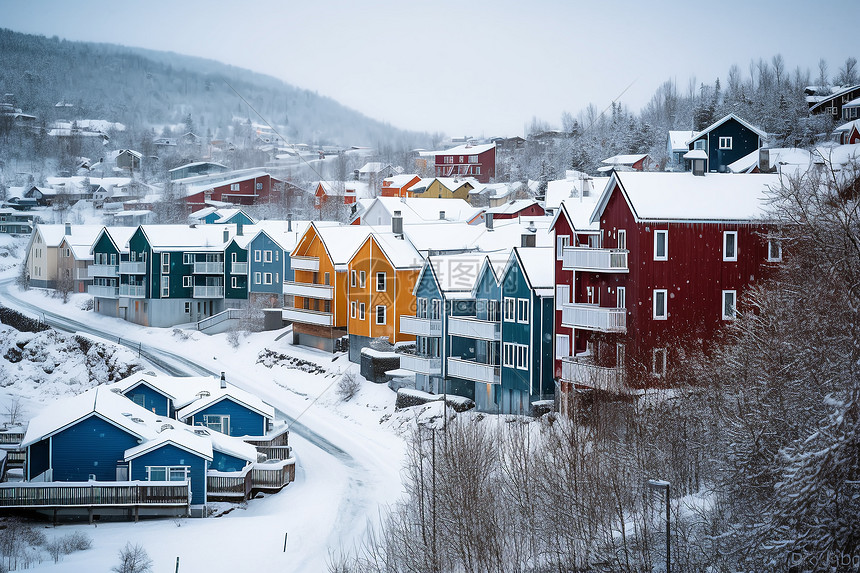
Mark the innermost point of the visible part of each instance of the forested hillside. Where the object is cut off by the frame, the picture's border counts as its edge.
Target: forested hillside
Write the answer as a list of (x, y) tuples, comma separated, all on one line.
[(145, 88)]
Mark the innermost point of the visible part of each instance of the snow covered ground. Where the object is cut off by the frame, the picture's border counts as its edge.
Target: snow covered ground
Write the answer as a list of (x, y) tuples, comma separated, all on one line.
[(349, 459)]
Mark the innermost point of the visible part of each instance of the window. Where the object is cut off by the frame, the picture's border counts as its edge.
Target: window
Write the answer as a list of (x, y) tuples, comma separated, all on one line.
[(620, 297), (327, 278), (380, 314), (523, 310), (435, 309), (67, 252), (165, 263), (421, 308), (774, 250), (187, 258), (622, 239), (658, 362), (165, 286), (729, 300), (493, 311), (560, 243), (730, 245), (380, 282), (259, 186), (234, 282), (660, 312), (661, 245), (186, 281), (258, 278), (508, 354), (515, 355), (234, 187), (562, 345), (699, 144), (352, 278), (725, 143), (267, 278), (476, 170), (473, 159), (590, 295), (362, 279), (361, 311), (166, 473), (510, 309), (233, 258), (217, 422), (187, 308), (258, 256), (352, 309), (267, 256)]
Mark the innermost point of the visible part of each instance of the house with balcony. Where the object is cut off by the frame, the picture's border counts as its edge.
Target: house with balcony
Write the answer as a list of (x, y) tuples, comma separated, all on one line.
[(108, 249), (174, 274), (478, 161), (15, 223), (74, 263), (320, 261), (255, 263), (382, 275), (42, 256), (668, 267)]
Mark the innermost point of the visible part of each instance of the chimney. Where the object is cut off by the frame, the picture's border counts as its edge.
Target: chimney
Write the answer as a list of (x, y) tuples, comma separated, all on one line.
[(488, 220), (289, 222), (68, 229), (223, 382), (397, 224), (441, 215), (764, 160), (238, 228)]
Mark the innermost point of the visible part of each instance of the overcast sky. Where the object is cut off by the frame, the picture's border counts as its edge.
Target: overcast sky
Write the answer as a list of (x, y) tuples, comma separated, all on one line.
[(475, 67)]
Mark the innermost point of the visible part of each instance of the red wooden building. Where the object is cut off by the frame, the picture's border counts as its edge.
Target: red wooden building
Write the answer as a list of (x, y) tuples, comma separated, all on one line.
[(246, 189), (666, 267), (518, 208), (478, 161), (398, 185)]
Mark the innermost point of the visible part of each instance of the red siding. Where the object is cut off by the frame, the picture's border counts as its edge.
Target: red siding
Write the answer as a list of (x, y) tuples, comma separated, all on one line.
[(531, 211), (486, 163), (247, 194)]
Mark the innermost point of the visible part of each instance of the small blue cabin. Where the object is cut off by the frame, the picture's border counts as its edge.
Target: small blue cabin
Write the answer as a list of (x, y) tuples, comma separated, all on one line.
[(725, 141)]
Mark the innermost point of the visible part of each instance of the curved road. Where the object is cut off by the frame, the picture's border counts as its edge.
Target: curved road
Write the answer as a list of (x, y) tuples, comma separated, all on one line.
[(357, 504)]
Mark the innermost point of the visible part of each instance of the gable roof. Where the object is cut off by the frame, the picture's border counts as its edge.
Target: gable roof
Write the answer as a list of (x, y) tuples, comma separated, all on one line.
[(720, 122), (513, 207), (678, 139), (467, 149), (398, 250), (687, 197), (830, 97)]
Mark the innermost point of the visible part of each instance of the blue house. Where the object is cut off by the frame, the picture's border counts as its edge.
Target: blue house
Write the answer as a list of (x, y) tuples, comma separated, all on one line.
[(723, 142)]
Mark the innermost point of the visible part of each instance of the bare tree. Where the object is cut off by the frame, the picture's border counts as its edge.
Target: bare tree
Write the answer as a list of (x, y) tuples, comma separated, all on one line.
[(133, 559)]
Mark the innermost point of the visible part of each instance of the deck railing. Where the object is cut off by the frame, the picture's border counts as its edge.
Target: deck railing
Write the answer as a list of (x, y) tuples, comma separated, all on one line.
[(269, 476), (228, 485), (81, 494)]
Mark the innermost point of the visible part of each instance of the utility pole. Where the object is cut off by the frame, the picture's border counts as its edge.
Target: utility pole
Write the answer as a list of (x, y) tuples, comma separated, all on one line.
[(660, 485)]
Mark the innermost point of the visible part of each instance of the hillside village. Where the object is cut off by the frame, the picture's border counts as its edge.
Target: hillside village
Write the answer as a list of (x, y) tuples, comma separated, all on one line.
[(443, 276)]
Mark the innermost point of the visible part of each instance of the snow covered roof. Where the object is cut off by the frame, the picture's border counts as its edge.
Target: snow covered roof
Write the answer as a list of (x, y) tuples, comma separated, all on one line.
[(538, 264), (507, 233), (572, 186), (118, 235), (678, 139), (340, 242), (578, 211), (629, 159), (420, 210), (687, 197), (512, 207), (853, 103), (455, 273), (374, 167), (181, 437), (848, 126), (450, 183), (199, 238), (836, 155), (720, 122), (442, 236), (836, 93), (399, 180), (53, 235), (195, 164), (194, 188), (399, 251), (776, 155), (696, 154), (467, 149)]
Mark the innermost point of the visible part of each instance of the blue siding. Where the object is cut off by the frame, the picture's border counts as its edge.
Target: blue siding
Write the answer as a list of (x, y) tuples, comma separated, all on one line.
[(92, 446), (170, 455), (262, 243), (149, 398), (38, 458), (514, 285), (243, 422), (226, 463)]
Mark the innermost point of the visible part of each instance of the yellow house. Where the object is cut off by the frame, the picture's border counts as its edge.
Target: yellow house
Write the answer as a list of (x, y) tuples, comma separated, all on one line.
[(382, 275), (320, 305), (443, 188)]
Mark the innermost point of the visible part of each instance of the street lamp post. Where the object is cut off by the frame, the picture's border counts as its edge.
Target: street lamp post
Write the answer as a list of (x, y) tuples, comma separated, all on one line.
[(660, 485)]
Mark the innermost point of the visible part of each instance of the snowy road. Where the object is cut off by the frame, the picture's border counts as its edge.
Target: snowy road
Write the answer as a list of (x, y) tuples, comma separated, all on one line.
[(345, 471)]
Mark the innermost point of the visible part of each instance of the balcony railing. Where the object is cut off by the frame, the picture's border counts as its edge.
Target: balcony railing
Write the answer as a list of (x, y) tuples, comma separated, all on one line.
[(107, 271), (471, 327), (420, 326), (477, 371), (82, 274), (103, 291), (129, 268), (597, 260), (582, 372), (299, 263), (209, 291), (325, 292), (132, 291), (76, 494), (239, 269), (308, 316), (594, 317), (209, 268), (432, 366)]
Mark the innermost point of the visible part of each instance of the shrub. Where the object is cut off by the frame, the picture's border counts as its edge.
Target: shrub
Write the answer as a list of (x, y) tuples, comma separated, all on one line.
[(348, 386)]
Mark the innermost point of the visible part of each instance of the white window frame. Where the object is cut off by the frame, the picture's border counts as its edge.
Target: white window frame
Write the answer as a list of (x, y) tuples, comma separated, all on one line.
[(267, 256), (665, 234), (165, 263), (258, 255), (187, 259), (234, 187), (435, 309), (382, 308), (384, 278), (561, 242), (729, 312), (510, 310), (209, 421), (258, 278), (562, 296), (352, 306), (353, 278), (665, 313), (725, 142), (522, 356), (187, 281), (658, 359), (361, 311), (169, 471), (622, 239), (165, 287), (562, 346), (187, 308), (234, 282), (770, 245), (421, 307), (620, 297), (362, 279), (523, 310), (267, 278), (726, 255)]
